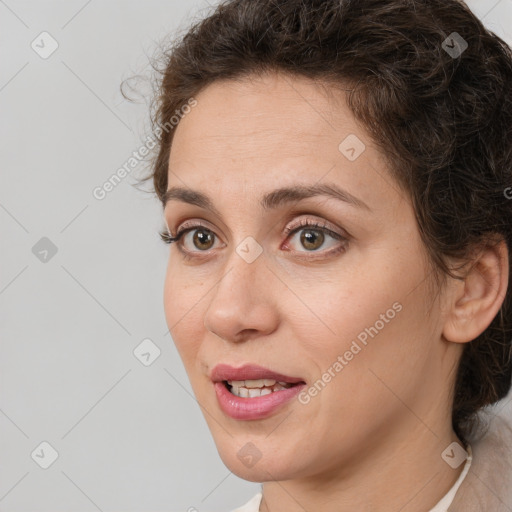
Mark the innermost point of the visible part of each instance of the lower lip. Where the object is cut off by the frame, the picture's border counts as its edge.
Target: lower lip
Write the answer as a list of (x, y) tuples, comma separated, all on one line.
[(255, 408)]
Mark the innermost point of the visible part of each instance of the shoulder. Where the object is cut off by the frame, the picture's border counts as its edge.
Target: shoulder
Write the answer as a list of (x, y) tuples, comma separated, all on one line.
[(487, 484)]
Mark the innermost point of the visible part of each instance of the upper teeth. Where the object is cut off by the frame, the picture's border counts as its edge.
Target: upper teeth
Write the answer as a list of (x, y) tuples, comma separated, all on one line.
[(260, 383), (253, 388)]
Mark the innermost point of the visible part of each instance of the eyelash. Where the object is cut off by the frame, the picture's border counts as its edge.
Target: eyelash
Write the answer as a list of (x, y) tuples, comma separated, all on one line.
[(314, 226)]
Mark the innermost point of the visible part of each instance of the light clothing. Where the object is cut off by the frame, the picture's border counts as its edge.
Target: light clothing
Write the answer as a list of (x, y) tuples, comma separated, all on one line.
[(485, 483), (488, 485), (448, 498), (253, 505)]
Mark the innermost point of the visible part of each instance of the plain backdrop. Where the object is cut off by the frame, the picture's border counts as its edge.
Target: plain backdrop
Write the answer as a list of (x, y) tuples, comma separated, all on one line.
[(81, 279)]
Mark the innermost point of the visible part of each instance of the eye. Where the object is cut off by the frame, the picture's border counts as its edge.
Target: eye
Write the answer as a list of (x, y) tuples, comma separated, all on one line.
[(196, 238), (313, 236), (202, 238)]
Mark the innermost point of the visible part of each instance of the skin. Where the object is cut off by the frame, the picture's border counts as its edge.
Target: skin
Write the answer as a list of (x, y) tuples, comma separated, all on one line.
[(372, 439)]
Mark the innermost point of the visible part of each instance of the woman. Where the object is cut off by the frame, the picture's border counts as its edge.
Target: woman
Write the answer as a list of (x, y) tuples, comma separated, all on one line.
[(337, 197)]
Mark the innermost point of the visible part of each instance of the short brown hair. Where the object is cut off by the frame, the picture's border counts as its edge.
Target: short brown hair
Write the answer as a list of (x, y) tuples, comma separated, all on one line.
[(442, 120)]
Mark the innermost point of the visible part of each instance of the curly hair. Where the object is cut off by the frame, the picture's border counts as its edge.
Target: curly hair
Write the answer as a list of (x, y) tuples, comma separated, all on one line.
[(442, 119)]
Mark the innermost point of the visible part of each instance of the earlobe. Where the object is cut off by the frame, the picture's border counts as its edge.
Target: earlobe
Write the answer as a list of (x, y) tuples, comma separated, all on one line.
[(478, 298)]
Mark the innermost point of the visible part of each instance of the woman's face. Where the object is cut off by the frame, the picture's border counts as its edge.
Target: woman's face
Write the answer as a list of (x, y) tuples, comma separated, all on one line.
[(341, 307)]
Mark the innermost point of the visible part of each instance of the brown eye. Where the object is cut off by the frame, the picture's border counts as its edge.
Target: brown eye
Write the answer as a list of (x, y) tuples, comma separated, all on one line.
[(203, 239), (312, 239), (315, 238)]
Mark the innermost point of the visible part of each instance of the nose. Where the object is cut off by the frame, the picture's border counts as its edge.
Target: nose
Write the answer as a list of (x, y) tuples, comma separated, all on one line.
[(242, 302)]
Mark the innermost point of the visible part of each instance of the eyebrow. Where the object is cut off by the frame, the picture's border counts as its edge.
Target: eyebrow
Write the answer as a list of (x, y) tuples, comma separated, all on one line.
[(271, 200)]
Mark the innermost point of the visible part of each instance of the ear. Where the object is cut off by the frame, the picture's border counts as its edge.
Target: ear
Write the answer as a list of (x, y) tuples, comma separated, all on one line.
[(478, 298)]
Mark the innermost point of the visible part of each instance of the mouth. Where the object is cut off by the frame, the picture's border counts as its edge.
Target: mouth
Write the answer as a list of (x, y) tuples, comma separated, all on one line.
[(256, 388), (252, 392), (251, 376)]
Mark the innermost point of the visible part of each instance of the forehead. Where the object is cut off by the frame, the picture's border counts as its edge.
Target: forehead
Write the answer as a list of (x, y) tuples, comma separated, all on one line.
[(251, 136), (272, 112)]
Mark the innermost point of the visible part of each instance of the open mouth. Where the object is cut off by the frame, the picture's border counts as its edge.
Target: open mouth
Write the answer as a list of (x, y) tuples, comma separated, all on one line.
[(252, 392), (256, 388)]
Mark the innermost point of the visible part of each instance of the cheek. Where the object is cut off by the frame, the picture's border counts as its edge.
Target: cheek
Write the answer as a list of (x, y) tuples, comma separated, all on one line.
[(355, 384), (183, 306), (328, 315), (383, 352), (355, 336), (370, 327)]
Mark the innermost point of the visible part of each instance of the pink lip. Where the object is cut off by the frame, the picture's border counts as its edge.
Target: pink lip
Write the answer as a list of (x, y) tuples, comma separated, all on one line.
[(252, 408), (249, 372)]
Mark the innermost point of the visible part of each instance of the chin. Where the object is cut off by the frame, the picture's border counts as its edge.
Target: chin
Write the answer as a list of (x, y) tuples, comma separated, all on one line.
[(262, 471), (257, 460)]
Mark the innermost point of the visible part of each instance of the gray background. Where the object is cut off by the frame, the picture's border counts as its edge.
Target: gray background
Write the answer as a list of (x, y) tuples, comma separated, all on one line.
[(129, 437)]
